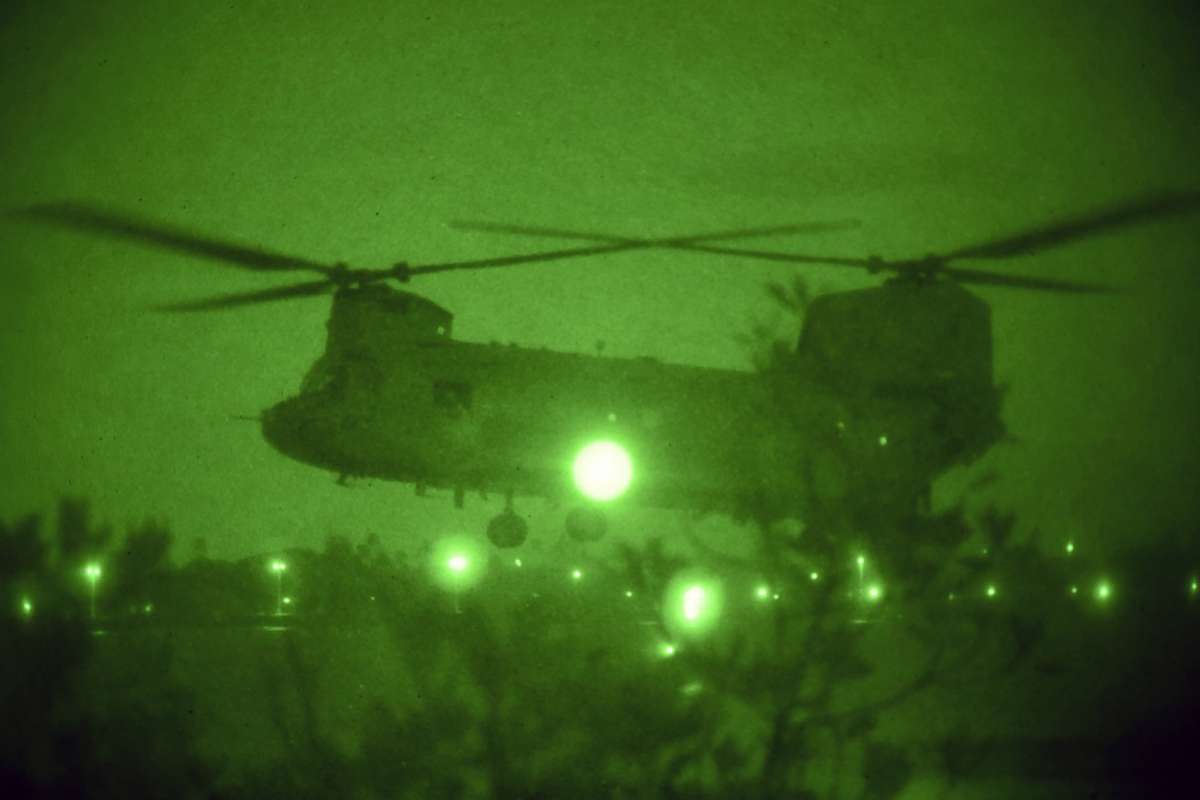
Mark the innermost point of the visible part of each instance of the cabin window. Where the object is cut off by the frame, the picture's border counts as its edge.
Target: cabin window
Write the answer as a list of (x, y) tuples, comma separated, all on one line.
[(452, 396)]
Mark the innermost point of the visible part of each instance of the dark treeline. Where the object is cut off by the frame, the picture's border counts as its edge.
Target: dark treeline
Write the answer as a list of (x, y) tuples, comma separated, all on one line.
[(535, 682)]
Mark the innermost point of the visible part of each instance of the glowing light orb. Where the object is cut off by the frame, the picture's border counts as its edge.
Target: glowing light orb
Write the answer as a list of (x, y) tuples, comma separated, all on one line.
[(456, 563), (762, 593), (666, 649), (1070, 548), (874, 593), (278, 566), (92, 572), (576, 574), (814, 576), (603, 471), (1103, 591), (990, 591), (692, 604)]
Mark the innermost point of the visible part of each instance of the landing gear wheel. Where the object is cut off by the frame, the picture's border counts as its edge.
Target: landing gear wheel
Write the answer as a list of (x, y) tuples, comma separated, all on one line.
[(507, 529), (586, 524)]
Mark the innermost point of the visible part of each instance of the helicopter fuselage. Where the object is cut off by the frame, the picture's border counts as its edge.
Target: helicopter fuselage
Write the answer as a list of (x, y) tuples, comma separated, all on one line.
[(395, 397)]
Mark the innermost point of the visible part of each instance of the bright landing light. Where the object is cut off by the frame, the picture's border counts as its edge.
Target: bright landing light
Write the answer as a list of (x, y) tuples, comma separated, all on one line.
[(693, 603), (602, 471)]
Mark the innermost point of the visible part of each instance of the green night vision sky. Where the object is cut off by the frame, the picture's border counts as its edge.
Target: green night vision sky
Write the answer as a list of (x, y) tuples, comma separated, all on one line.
[(357, 131)]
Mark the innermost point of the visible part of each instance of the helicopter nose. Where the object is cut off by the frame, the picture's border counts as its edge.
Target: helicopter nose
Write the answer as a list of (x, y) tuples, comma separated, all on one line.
[(283, 427)]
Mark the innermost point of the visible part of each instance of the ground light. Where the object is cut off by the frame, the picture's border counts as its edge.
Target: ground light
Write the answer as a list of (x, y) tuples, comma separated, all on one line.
[(278, 567), (92, 572), (1103, 591), (456, 563), (602, 471), (692, 604)]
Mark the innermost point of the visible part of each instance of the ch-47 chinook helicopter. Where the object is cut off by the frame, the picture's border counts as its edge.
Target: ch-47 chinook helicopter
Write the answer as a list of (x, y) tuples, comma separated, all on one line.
[(886, 388)]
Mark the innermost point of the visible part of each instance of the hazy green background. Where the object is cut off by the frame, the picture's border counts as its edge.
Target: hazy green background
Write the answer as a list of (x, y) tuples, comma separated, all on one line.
[(358, 134)]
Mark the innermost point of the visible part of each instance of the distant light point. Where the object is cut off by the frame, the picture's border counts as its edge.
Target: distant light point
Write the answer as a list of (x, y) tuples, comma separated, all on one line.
[(576, 574), (458, 562), (991, 590)]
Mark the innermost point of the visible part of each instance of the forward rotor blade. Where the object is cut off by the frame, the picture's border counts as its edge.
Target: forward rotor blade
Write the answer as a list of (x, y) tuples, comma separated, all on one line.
[(1133, 213), (250, 298), (527, 258), (742, 233), (84, 217), (527, 230), (983, 278)]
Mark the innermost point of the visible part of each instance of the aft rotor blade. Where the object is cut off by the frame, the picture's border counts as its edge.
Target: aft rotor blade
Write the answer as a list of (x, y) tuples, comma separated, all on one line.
[(742, 233), (983, 278), (91, 219), (962, 275), (250, 298), (786, 258), (1133, 213)]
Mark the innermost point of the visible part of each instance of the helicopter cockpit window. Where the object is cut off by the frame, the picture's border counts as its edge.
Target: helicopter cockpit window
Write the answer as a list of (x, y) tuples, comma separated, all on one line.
[(452, 396)]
